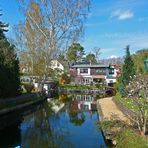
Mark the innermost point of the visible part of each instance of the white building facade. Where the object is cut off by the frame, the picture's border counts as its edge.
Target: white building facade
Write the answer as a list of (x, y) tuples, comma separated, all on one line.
[(87, 74), (55, 64)]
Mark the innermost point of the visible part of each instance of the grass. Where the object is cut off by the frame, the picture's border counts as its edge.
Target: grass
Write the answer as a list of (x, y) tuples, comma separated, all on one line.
[(128, 102), (125, 136)]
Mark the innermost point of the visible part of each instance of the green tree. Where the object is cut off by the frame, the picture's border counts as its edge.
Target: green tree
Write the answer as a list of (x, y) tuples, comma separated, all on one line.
[(2, 29), (9, 66), (75, 53), (91, 57), (128, 71)]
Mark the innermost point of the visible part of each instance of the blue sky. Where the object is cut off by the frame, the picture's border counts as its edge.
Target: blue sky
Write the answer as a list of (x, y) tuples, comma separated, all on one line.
[(111, 25)]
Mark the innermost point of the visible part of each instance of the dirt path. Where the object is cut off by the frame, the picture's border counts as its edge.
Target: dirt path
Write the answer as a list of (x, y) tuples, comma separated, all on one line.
[(110, 110)]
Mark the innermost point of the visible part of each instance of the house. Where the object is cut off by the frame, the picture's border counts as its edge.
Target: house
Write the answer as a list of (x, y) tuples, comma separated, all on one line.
[(89, 74), (117, 69), (114, 73), (55, 64)]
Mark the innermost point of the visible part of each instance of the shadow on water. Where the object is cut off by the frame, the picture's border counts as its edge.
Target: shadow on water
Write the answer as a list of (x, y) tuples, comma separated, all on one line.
[(40, 127), (10, 136), (10, 132)]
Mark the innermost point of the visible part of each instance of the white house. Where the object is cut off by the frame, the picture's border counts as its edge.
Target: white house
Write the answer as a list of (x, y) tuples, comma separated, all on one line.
[(55, 64), (87, 73)]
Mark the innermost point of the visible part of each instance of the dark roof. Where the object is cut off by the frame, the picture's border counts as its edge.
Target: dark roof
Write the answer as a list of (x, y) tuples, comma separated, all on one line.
[(88, 66), (81, 63)]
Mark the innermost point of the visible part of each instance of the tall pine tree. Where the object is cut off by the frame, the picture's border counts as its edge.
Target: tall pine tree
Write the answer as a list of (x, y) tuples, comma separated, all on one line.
[(2, 29), (128, 71), (9, 66)]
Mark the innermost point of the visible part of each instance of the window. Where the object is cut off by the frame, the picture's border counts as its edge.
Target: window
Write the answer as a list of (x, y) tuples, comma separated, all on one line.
[(84, 70), (97, 70), (101, 70), (111, 71), (87, 80)]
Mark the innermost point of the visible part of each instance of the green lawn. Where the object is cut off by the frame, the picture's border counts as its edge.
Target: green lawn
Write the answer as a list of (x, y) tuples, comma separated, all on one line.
[(128, 102)]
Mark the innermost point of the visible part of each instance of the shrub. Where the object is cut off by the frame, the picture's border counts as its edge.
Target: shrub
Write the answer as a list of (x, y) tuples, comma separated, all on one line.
[(100, 95), (110, 92), (64, 79), (130, 139), (124, 135), (118, 96), (116, 87), (100, 85)]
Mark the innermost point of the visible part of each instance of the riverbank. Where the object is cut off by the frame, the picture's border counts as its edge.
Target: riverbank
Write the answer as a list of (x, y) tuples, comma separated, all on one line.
[(117, 128), (109, 111), (14, 104)]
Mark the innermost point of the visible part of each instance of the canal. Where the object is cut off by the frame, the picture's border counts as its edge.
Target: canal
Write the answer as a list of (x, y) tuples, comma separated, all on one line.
[(75, 125)]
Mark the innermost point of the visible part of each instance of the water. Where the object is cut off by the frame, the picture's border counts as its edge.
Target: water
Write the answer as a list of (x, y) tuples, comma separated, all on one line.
[(74, 126)]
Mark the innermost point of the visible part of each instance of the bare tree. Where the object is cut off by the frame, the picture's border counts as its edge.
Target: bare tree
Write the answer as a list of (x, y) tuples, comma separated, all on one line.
[(97, 52), (51, 26), (137, 90)]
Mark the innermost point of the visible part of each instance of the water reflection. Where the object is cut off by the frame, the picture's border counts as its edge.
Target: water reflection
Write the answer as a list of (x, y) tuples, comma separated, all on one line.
[(73, 126), (42, 130), (84, 103), (35, 129), (78, 105)]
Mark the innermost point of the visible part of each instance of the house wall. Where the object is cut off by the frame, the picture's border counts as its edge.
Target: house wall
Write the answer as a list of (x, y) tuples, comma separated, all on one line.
[(110, 80), (98, 71), (83, 74), (110, 77), (93, 71), (55, 64), (109, 70), (109, 73), (83, 79)]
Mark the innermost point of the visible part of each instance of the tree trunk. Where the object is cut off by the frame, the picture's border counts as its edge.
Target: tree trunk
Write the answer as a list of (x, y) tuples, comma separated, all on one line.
[(142, 133)]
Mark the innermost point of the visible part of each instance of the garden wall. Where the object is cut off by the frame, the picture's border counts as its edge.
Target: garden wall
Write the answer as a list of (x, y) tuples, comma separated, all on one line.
[(129, 113)]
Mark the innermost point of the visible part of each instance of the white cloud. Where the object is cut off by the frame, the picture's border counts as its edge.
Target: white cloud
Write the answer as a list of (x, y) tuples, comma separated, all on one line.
[(113, 56), (105, 50), (122, 15)]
